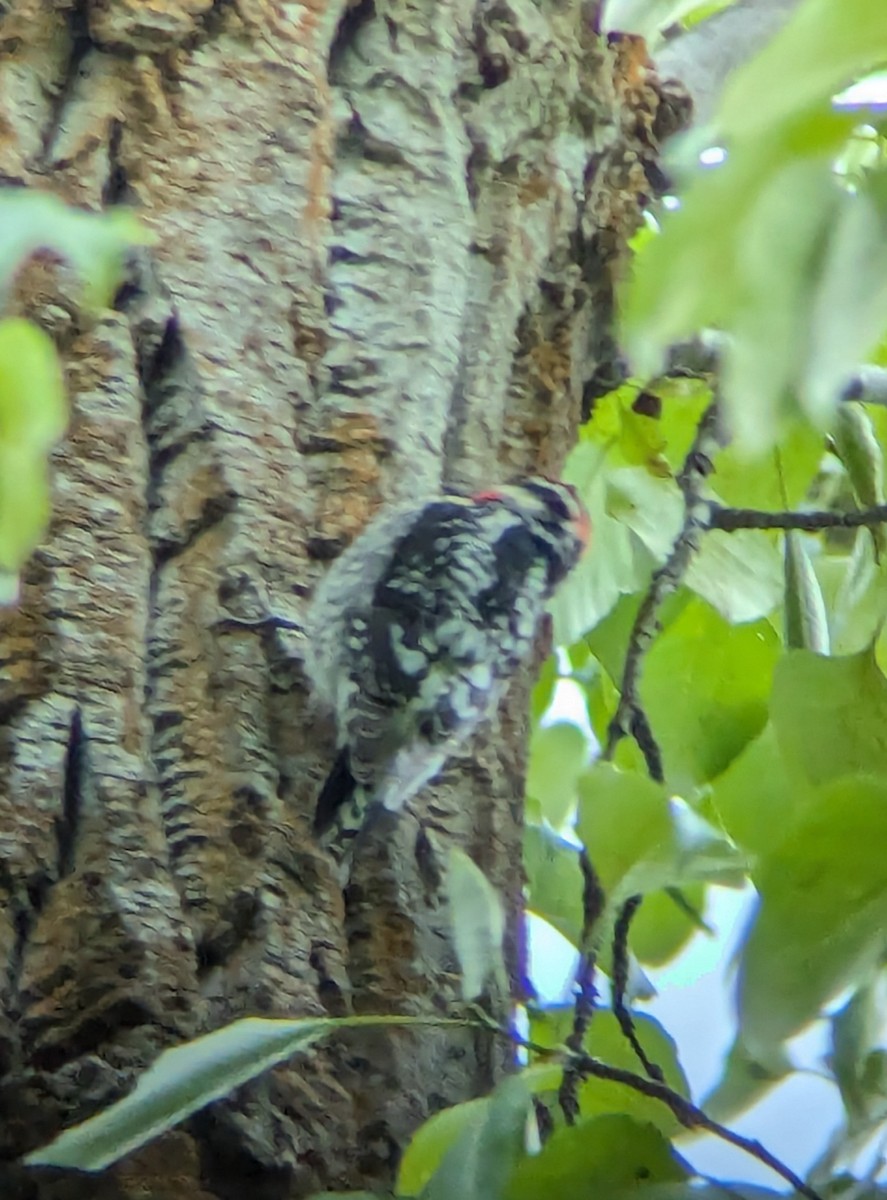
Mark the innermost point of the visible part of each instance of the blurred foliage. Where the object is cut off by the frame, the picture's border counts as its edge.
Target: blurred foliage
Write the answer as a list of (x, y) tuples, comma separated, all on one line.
[(774, 246), (33, 410)]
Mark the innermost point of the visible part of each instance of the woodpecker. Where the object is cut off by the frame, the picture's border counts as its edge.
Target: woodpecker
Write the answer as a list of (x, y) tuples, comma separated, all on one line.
[(419, 625)]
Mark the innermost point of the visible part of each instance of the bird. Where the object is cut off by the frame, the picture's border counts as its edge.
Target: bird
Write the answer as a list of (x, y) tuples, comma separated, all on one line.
[(418, 627)]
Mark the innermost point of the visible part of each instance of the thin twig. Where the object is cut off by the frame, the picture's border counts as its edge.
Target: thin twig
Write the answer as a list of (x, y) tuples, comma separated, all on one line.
[(688, 1114), (593, 901), (731, 519), (621, 1011), (692, 1117), (630, 717)]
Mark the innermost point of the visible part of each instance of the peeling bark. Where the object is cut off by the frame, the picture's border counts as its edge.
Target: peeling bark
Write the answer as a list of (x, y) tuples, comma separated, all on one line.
[(387, 241)]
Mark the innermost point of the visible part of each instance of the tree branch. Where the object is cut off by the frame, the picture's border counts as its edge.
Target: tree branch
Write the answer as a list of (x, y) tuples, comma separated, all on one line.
[(701, 356), (621, 1011), (731, 519), (690, 1115), (693, 1117), (630, 717), (593, 901)]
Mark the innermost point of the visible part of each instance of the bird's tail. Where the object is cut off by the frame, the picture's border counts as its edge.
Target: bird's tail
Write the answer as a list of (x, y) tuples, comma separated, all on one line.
[(341, 810)]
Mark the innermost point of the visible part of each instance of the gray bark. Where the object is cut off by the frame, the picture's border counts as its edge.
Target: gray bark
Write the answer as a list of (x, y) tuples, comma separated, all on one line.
[(387, 240)]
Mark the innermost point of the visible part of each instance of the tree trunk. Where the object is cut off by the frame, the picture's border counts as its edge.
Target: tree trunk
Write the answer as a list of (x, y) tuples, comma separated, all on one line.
[(387, 238)]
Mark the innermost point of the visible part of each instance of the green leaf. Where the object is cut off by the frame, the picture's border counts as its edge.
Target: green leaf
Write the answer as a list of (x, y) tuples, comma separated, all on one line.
[(558, 754), (830, 715), (714, 1191), (180, 1082), (739, 574), (609, 640), (857, 446), (344, 1196), (640, 841), (96, 243), (33, 415), (616, 562), (765, 247), (554, 881), (441, 1132), (860, 600), (778, 249), (853, 432), (821, 49), (605, 1041), (651, 507), (683, 403), (663, 926), (478, 1165), (769, 482), (600, 1157), (806, 622), (543, 689), (431, 1141), (33, 412), (745, 1081), (705, 687), (856, 1058), (477, 918), (757, 798), (820, 926), (189, 1077)]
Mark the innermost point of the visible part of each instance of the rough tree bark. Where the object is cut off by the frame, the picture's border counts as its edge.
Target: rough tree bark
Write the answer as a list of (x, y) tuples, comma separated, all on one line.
[(387, 238)]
